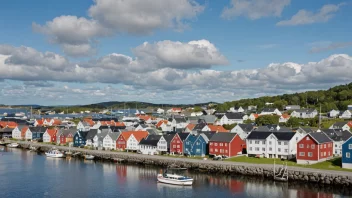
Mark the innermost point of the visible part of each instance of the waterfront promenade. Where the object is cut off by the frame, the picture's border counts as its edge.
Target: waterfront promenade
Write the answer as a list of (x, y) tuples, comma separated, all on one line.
[(226, 167)]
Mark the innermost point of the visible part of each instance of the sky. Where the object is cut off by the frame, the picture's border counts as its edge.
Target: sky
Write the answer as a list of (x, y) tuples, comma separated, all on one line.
[(170, 51)]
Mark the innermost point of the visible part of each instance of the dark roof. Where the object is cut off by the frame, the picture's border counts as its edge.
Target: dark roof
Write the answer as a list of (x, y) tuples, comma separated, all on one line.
[(337, 134), (258, 135), (38, 129), (222, 137), (91, 133), (114, 135), (150, 142), (320, 137), (152, 131), (183, 136), (105, 119), (199, 126), (268, 109), (180, 120), (6, 130), (262, 128), (304, 110), (82, 134), (307, 129), (209, 134), (66, 132), (154, 137), (284, 136), (339, 125), (168, 137), (233, 116), (246, 127)]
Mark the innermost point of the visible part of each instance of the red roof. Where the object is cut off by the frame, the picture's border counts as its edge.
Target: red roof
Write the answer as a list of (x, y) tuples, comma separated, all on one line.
[(286, 116), (8, 124), (255, 115), (139, 135), (218, 128), (190, 126), (176, 109), (119, 124), (349, 124), (40, 122), (89, 121), (23, 131), (52, 132), (144, 117), (56, 122), (160, 123)]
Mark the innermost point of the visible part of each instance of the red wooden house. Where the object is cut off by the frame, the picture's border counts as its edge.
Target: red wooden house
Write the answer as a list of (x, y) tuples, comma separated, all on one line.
[(121, 142), (66, 136), (226, 144), (313, 148), (176, 143)]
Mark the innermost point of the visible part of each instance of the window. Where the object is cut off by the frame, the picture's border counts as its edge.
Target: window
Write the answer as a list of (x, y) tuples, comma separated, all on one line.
[(312, 146), (216, 150), (226, 151), (307, 138), (225, 144), (301, 145), (263, 142), (269, 142), (250, 142), (174, 146), (285, 143), (178, 146), (263, 149), (270, 149), (256, 148), (211, 143), (321, 146), (250, 148), (348, 155), (324, 153), (324, 145), (307, 145), (279, 143), (211, 150), (256, 142), (329, 153), (301, 154), (279, 149), (286, 150), (349, 146), (310, 154), (221, 150), (216, 144)]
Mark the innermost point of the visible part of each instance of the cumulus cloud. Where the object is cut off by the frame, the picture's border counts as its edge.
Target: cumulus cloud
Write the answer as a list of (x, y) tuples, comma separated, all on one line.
[(255, 9), (327, 46), (304, 17), (119, 69), (78, 35)]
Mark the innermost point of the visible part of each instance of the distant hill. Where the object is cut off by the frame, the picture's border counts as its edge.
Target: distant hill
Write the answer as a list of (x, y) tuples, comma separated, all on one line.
[(337, 97)]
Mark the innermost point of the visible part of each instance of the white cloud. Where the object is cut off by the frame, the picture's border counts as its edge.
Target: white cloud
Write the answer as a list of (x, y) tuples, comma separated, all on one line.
[(169, 82), (304, 17), (78, 35), (255, 9)]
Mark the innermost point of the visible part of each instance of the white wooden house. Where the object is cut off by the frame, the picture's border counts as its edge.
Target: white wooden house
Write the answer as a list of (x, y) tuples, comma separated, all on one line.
[(346, 126), (346, 114), (334, 113), (109, 141), (271, 111), (284, 118), (83, 126), (153, 144), (17, 133), (304, 113), (253, 116), (242, 130), (236, 110), (272, 144), (232, 118)]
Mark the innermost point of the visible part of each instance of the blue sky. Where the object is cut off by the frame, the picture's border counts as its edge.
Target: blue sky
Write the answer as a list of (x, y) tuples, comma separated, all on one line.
[(196, 51)]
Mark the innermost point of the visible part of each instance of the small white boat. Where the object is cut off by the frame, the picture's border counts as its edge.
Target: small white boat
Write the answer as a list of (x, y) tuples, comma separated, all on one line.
[(13, 145), (54, 154), (175, 179), (89, 157)]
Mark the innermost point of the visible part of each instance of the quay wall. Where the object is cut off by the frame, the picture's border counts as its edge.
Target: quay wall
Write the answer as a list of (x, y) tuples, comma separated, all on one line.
[(295, 174)]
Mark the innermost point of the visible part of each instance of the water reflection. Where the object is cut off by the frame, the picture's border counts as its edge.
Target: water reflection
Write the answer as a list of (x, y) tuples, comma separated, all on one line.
[(22, 171)]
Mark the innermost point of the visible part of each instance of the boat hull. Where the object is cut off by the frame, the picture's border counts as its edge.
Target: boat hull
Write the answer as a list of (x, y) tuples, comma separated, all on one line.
[(54, 155), (13, 145), (188, 182)]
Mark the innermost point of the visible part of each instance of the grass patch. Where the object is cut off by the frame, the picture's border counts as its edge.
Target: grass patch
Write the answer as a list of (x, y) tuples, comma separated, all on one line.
[(332, 164)]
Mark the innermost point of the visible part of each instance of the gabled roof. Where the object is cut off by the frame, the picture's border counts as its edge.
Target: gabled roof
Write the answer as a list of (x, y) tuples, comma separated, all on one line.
[(320, 137), (38, 129), (114, 136), (91, 134), (258, 135), (160, 123), (66, 132), (285, 116), (307, 129), (199, 126), (246, 127), (152, 131), (218, 128), (8, 124), (149, 142), (153, 137), (23, 131), (190, 126), (337, 134), (183, 136), (234, 116), (222, 137), (168, 137), (180, 120), (209, 134), (56, 122), (339, 125), (139, 135), (209, 118), (82, 134), (206, 139), (284, 136), (269, 109), (145, 117), (51, 132)]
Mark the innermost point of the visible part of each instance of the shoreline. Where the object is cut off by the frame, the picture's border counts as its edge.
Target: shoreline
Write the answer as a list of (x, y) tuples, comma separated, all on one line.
[(295, 174)]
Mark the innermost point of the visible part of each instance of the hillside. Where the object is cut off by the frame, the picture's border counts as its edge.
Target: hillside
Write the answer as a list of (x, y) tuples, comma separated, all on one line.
[(334, 98)]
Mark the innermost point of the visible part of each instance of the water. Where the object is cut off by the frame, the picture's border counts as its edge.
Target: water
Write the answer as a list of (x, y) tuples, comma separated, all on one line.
[(27, 174)]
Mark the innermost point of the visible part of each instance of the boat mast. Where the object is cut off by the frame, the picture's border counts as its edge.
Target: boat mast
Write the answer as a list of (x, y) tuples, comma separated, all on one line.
[(320, 117)]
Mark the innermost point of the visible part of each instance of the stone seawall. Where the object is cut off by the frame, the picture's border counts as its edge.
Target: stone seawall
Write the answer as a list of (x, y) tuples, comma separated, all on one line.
[(307, 175)]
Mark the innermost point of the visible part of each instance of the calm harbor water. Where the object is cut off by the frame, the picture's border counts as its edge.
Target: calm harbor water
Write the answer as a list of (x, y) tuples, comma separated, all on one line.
[(28, 174)]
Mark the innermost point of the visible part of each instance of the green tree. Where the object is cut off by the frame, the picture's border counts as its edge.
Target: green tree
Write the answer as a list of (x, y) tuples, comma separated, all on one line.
[(197, 109), (229, 126), (293, 122), (267, 119)]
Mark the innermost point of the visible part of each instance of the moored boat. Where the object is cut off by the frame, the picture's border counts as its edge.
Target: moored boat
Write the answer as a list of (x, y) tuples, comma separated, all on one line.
[(54, 154), (13, 145), (175, 179), (2, 143), (89, 157)]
